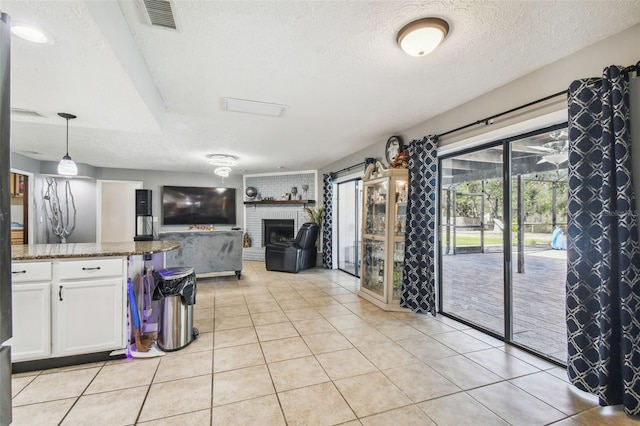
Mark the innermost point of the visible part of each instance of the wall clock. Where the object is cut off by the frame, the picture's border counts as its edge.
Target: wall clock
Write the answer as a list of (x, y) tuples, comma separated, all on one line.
[(393, 148)]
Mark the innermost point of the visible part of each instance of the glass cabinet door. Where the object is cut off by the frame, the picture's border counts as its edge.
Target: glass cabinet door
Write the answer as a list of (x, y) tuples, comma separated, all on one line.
[(398, 269), (372, 273), (401, 208), (376, 208)]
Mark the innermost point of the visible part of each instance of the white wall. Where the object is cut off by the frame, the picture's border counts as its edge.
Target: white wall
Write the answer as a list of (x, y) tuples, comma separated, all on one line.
[(155, 180)]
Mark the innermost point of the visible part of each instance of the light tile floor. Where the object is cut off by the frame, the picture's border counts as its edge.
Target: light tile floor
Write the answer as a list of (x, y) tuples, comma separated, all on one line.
[(303, 349)]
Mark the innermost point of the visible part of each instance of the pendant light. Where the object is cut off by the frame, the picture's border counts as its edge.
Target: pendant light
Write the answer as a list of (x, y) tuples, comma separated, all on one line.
[(67, 167)]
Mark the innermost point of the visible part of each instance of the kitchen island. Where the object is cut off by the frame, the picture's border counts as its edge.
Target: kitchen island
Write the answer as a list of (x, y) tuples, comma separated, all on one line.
[(70, 300)]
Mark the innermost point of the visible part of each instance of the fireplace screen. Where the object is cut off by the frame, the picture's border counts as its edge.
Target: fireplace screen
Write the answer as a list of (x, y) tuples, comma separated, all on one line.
[(280, 230)]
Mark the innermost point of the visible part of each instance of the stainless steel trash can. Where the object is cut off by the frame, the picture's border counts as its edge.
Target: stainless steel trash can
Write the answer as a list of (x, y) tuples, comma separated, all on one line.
[(177, 287)]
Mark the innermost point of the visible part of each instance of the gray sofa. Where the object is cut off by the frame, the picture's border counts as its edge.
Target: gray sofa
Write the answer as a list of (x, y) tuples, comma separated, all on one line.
[(209, 252)]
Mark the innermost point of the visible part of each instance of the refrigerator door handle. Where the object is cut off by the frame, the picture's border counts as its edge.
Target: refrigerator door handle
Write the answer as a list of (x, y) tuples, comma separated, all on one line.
[(60, 293)]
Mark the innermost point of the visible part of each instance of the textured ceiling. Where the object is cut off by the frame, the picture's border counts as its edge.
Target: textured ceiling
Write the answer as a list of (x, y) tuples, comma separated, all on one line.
[(150, 98)]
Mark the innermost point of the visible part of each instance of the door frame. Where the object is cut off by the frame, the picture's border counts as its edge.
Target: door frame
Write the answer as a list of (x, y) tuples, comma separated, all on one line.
[(507, 235), (334, 237)]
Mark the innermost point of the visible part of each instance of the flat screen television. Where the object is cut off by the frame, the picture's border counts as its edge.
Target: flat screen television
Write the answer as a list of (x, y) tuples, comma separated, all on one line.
[(191, 205)]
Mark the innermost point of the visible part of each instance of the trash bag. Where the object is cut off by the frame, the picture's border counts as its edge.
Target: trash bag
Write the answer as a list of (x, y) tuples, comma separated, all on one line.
[(176, 282)]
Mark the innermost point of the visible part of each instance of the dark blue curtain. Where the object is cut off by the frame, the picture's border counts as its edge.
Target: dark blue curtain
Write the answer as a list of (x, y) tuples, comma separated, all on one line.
[(327, 222), (418, 283), (603, 258)]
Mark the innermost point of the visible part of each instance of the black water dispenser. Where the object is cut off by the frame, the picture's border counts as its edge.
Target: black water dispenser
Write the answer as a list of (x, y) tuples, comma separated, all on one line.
[(144, 218)]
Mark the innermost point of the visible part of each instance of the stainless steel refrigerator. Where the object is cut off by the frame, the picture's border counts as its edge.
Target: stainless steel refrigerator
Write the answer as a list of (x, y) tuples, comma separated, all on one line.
[(5, 223)]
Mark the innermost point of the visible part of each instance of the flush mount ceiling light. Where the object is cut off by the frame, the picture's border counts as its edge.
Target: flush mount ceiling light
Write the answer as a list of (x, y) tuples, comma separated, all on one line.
[(421, 37), (67, 167), (31, 33), (253, 107), (222, 160), (222, 171)]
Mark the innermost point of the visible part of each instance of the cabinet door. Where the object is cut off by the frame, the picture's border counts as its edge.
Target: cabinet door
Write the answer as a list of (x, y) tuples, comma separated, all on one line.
[(19, 185), (398, 269), (88, 316), (375, 210), (31, 321), (373, 272), (12, 181)]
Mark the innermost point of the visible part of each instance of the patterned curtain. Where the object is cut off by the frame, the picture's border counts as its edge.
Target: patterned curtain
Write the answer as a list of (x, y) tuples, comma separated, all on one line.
[(327, 222), (418, 283), (603, 275)]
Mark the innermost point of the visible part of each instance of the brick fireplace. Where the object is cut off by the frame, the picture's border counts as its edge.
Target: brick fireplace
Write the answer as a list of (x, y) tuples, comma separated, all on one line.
[(293, 215)]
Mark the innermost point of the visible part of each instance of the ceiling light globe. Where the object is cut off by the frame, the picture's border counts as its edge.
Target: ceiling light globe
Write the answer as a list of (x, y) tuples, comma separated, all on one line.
[(67, 167), (421, 37)]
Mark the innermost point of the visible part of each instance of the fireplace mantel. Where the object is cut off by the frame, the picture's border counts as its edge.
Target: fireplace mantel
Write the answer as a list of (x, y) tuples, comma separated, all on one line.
[(271, 202)]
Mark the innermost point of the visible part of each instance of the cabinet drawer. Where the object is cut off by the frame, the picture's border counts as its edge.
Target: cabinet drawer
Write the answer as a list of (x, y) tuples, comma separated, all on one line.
[(83, 269), (30, 271)]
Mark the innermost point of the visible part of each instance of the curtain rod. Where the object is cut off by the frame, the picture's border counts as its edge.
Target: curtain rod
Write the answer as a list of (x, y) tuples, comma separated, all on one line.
[(346, 169), (489, 120)]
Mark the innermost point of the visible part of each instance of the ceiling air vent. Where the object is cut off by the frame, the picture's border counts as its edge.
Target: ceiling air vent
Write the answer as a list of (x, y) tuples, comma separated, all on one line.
[(160, 13), (26, 113)]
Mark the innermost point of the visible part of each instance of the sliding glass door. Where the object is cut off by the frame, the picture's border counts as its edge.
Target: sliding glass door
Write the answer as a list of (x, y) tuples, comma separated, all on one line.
[(349, 225), (539, 258), (503, 215), (471, 211)]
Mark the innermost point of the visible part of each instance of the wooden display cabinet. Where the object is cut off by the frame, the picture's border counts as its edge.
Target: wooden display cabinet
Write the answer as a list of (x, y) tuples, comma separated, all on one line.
[(383, 227)]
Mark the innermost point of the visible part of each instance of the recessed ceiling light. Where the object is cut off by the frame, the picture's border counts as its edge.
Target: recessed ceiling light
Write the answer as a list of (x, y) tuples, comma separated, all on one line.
[(31, 33), (254, 107), (421, 37), (279, 167)]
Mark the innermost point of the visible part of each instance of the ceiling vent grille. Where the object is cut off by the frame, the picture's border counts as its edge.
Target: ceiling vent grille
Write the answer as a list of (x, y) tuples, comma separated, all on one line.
[(160, 13), (26, 113)]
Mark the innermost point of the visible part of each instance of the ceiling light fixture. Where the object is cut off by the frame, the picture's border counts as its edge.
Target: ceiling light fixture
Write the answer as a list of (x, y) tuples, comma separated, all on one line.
[(31, 33), (222, 171), (222, 160), (67, 167), (421, 37)]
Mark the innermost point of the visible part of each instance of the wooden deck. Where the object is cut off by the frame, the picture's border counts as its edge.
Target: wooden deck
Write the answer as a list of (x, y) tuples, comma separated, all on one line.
[(473, 288)]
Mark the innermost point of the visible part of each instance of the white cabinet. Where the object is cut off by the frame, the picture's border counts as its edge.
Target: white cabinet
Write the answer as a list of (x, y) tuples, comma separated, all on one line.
[(68, 307), (31, 313), (88, 306), (383, 227)]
